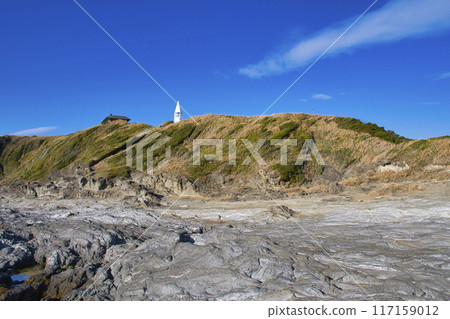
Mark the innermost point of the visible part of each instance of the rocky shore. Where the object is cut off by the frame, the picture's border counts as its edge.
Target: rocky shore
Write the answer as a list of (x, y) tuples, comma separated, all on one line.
[(324, 247)]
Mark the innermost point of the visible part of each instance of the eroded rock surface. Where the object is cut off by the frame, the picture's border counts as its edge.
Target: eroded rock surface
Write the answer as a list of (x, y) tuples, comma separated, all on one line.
[(303, 249)]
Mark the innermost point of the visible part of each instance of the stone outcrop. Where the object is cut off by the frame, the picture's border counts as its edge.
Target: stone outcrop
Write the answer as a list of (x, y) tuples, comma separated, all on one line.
[(104, 250)]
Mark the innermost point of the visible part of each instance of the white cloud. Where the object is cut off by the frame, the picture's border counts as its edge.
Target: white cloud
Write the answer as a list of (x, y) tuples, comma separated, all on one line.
[(35, 131), (442, 76), (303, 100), (320, 96), (396, 20)]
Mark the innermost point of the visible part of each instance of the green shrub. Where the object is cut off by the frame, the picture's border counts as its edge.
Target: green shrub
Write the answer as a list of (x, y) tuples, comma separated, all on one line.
[(205, 168), (121, 171), (285, 130), (179, 134), (235, 129), (266, 121), (370, 128), (288, 126), (440, 137), (166, 123), (420, 145), (289, 173)]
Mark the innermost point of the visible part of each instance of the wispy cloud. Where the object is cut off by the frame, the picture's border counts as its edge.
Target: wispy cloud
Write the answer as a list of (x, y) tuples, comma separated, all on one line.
[(442, 76), (399, 19), (304, 100), (35, 131), (321, 96)]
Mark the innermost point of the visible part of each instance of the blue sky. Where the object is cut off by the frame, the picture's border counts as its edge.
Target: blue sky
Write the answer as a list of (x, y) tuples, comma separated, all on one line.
[(61, 73)]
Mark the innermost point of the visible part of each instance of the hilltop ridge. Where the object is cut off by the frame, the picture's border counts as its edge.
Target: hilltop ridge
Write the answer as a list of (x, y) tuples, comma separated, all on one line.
[(354, 153)]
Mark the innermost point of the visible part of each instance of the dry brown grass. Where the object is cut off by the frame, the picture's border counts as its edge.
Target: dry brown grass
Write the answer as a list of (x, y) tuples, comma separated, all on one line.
[(341, 148), (3, 290), (315, 189), (389, 176), (395, 188)]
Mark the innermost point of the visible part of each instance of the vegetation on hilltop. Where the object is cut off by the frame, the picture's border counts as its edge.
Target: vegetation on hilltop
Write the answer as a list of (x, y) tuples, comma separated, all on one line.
[(370, 128), (342, 142)]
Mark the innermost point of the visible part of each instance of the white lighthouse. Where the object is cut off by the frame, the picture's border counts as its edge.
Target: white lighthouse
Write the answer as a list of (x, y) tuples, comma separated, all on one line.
[(177, 115)]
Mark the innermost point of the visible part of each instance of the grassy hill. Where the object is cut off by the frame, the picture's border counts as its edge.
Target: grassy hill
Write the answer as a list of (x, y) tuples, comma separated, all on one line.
[(347, 145)]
